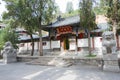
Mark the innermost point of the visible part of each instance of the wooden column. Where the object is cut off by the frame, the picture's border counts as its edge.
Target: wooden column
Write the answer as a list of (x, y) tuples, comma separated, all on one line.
[(50, 39), (27, 46), (76, 44), (76, 40), (117, 41), (38, 46), (93, 44)]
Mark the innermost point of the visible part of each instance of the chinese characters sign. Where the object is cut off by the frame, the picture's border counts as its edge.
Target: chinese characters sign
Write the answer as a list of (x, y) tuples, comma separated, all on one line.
[(64, 30)]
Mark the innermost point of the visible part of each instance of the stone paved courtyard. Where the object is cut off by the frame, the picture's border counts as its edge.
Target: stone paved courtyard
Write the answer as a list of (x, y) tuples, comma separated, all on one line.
[(21, 71)]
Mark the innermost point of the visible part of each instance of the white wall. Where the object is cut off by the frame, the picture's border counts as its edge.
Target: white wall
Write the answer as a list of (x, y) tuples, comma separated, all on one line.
[(97, 42), (84, 42), (47, 46), (72, 43), (28, 46), (55, 44)]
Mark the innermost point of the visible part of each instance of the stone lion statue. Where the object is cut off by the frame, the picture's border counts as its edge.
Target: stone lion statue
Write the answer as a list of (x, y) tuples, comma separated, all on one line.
[(108, 43), (8, 50), (9, 53)]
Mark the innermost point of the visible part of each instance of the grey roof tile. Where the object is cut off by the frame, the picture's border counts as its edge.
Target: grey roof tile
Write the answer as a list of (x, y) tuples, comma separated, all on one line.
[(66, 21)]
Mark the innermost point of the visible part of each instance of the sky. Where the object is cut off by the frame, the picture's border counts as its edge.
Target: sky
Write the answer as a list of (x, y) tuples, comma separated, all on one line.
[(62, 4), (2, 7)]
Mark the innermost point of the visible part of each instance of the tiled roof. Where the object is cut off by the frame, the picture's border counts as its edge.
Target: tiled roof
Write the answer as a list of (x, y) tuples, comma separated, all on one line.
[(66, 21), (74, 20), (28, 39)]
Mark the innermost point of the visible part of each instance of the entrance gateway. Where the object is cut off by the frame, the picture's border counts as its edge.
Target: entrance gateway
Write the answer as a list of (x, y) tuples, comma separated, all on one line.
[(66, 37)]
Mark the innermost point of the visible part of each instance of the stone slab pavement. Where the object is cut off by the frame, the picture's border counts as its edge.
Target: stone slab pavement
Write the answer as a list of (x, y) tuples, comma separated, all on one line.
[(22, 71)]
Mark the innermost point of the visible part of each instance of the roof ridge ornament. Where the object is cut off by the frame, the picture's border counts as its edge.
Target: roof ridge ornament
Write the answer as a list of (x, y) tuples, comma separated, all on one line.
[(59, 18)]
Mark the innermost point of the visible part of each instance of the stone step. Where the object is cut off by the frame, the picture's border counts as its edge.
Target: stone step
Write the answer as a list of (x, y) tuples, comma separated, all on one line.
[(56, 61), (64, 64), (41, 60)]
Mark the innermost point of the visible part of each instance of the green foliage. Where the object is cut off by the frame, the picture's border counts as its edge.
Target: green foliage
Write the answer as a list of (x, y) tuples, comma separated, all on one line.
[(87, 16), (8, 35), (113, 10), (101, 9), (48, 13), (1, 41), (69, 7), (113, 13), (30, 14), (27, 13)]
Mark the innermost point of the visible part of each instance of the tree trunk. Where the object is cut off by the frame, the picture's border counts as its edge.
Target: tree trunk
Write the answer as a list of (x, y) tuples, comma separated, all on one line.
[(89, 43), (32, 40), (50, 45), (114, 19), (38, 46), (114, 28), (50, 40), (76, 50), (40, 34)]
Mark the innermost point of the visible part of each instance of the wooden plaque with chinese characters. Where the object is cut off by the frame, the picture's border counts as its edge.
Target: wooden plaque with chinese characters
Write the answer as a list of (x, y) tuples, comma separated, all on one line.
[(64, 30)]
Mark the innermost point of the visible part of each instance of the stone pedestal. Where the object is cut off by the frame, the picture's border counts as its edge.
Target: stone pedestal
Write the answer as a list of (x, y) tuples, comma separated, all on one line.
[(7, 58), (111, 63), (109, 50)]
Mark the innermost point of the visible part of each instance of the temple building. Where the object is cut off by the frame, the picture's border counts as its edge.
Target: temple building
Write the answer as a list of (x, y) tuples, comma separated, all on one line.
[(67, 34)]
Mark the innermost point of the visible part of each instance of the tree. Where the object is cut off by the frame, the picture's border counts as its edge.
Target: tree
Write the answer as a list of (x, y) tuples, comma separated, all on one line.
[(20, 14), (43, 10), (87, 18), (69, 7), (113, 13), (31, 14), (101, 8), (8, 34), (58, 12)]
